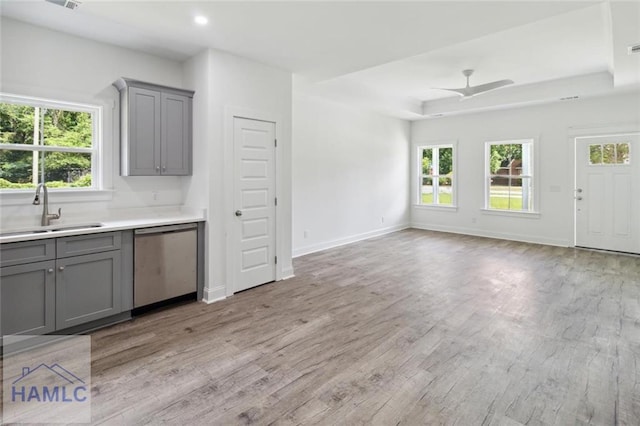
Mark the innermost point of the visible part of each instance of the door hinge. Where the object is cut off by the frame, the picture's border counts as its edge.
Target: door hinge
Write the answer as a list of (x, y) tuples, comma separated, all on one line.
[(275, 143), (276, 260), (276, 201)]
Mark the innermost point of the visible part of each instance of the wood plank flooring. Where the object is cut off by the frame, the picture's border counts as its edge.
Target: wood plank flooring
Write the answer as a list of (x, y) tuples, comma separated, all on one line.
[(411, 328)]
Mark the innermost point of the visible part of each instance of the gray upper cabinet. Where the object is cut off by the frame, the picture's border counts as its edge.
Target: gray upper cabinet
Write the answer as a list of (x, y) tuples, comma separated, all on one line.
[(175, 141), (141, 153), (155, 129)]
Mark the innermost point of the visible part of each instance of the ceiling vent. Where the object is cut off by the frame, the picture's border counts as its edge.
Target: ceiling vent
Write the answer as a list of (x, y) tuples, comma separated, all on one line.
[(634, 49), (69, 4), (569, 98)]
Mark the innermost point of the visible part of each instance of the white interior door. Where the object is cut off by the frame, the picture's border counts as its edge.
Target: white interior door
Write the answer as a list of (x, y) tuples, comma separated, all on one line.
[(254, 202), (607, 197)]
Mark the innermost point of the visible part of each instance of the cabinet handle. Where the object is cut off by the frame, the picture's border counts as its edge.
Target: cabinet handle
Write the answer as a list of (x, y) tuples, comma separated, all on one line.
[(164, 169), (50, 270), (157, 169), (61, 268)]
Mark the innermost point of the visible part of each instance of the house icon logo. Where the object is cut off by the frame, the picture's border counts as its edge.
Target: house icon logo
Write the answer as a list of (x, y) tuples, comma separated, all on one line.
[(46, 379), (48, 383)]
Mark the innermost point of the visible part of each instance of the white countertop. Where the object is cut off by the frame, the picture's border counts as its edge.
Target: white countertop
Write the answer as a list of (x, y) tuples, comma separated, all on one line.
[(114, 224)]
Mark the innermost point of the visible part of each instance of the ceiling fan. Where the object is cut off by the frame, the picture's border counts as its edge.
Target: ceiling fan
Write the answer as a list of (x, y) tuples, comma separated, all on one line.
[(469, 91)]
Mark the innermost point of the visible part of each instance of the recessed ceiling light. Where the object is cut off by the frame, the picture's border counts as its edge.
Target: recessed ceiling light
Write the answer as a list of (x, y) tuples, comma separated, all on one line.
[(201, 20)]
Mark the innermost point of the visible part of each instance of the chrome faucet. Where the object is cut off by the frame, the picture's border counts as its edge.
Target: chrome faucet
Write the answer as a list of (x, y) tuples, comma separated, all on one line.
[(46, 216)]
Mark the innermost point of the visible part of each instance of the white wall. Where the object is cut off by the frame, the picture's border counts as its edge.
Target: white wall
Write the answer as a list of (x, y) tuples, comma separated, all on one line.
[(551, 125), (350, 174), (196, 188), (235, 84), (43, 63), (197, 72)]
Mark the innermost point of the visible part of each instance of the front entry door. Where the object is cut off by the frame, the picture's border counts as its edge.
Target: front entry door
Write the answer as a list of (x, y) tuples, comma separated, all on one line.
[(607, 197), (254, 202)]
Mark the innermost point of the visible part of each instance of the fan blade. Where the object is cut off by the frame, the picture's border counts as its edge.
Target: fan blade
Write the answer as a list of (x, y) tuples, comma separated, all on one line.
[(470, 91), (461, 92), (474, 90)]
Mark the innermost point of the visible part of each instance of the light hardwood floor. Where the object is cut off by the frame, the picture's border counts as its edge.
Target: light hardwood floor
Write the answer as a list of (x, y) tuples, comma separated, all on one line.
[(412, 328)]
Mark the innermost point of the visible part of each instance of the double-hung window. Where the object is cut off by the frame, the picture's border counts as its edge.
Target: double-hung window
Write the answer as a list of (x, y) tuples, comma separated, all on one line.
[(48, 141), (437, 182), (509, 176)]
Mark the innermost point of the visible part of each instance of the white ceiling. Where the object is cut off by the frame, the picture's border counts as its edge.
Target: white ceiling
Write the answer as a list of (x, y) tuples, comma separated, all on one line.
[(384, 55)]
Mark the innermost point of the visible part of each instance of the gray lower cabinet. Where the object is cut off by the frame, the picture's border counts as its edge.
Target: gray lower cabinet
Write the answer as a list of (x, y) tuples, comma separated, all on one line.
[(27, 293), (77, 280), (87, 288)]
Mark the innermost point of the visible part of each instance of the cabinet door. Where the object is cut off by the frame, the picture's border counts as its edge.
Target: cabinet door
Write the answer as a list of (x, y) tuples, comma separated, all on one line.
[(144, 132), (176, 135), (87, 288), (27, 298)]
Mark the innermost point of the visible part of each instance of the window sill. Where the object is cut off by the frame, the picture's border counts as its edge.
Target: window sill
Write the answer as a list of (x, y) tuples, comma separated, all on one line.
[(436, 207), (58, 196), (511, 213)]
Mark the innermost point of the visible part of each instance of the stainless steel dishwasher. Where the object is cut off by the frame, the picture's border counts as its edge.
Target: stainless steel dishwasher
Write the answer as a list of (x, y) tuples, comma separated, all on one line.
[(165, 263)]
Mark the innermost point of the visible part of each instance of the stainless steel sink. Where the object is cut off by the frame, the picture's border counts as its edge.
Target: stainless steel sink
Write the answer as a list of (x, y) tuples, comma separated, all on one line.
[(50, 229)]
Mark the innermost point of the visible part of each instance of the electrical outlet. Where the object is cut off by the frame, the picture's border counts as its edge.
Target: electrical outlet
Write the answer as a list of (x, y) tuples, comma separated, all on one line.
[(473, 220), (382, 219), (305, 233), (154, 195)]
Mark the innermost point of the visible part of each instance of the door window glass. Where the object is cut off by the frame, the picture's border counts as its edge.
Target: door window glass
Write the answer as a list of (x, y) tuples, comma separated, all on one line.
[(609, 153)]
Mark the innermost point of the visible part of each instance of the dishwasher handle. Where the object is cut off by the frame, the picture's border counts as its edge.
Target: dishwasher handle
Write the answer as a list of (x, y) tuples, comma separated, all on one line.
[(165, 229)]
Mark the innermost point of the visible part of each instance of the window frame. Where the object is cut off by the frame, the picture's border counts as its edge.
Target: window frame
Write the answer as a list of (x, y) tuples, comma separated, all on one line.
[(96, 111), (532, 176), (419, 149)]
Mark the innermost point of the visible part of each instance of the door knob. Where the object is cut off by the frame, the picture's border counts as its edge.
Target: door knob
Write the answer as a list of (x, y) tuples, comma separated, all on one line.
[(61, 268), (578, 198), (238, 213), (579, 190)]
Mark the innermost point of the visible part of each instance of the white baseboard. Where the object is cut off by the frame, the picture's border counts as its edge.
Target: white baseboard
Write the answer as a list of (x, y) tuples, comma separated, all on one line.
[(347, 240), (490, 234), (214, 294), (287, 273)]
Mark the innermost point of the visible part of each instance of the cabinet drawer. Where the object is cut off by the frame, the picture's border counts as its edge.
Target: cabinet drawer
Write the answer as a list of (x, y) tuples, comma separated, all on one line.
[(27, 252), (87, 244)]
